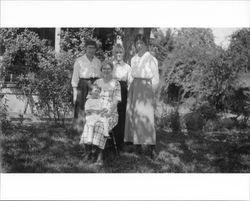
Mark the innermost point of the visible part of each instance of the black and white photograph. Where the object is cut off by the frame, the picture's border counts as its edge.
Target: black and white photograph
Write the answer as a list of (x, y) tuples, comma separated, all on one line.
[(125, 100)]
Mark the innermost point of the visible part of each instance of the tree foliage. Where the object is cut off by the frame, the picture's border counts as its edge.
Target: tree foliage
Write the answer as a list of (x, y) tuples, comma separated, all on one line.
[(22, 50), (73, 41), (240, 45), (162, 44), (190, 63), (183, 67), (221, 78), (53, 85), (43, 72), (194, 66)]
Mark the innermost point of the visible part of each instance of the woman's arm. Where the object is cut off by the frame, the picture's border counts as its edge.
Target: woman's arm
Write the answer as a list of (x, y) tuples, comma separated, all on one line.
[(113, 107), (74, 94), (91, 111), (155, 71), (115, 99), (75, 80), (129, 76), (117, 93)]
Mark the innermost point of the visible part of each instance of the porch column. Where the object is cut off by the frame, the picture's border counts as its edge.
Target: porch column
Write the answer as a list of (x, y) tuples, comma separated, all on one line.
[(57, 40)]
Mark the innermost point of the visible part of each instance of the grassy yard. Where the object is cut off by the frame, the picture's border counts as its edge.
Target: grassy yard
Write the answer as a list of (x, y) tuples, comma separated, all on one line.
[(45, 148)]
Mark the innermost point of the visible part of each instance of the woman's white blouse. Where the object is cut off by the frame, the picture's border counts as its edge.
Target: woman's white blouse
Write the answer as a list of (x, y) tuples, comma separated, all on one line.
[(146, 67), (84, 68), (122, 72)]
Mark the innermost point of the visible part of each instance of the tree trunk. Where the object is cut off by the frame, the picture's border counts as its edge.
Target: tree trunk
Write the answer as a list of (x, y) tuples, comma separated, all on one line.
[(26, 105), (128, 41), (31, 103)]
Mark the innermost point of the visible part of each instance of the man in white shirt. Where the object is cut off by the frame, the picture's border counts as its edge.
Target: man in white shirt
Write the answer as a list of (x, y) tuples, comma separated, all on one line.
[(86, 71)]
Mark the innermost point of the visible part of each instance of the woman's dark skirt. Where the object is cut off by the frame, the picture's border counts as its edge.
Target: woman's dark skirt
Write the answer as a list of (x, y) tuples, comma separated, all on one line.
[(119, 129), (82, 92)]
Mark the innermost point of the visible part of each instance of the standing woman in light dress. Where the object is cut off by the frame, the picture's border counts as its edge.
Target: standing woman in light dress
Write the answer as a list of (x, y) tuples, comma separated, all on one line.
[(86, 71), (140, 126), (122, 73)]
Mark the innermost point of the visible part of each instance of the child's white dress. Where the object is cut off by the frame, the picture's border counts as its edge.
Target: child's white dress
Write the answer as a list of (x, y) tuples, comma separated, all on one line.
[(97, 105)]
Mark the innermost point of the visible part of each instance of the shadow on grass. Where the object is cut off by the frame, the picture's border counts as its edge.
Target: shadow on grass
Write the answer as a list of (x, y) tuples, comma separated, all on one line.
[(43, 148), (224, 152)]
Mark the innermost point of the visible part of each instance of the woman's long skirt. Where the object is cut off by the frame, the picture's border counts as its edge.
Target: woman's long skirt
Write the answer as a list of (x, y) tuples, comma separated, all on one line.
[(119, 129), (139, 126), (82, 92)]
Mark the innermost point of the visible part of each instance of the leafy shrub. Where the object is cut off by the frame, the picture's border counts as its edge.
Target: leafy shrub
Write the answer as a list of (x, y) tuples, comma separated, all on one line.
[(239, 103), (54, 78), (228, 123), (183, 67), (162, 114), (202, 115), (73, 41), (4, 113), (167, 117), (221, 78), (53, 85), (22, 51), (26, 84), (175, 124), (194, 121), (211, 125), (207, 111), (41, 71)]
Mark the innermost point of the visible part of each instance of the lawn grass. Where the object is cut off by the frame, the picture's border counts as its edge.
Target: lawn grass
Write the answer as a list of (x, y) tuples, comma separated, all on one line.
[(46, 148)]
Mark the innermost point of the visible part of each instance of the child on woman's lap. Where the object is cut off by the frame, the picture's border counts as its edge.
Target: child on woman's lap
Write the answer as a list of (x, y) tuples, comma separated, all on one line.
[(96, 109)]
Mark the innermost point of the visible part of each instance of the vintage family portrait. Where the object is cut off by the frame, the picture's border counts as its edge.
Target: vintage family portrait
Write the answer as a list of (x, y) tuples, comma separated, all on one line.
[(128, 100), (125, 100)]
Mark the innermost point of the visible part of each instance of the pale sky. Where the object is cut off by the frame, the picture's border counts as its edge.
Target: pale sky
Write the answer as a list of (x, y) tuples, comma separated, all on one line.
[(221, 35)]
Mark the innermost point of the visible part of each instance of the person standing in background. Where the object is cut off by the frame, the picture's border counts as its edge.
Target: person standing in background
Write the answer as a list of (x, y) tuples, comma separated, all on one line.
[(86, 71), (140, 126), (122, 73)]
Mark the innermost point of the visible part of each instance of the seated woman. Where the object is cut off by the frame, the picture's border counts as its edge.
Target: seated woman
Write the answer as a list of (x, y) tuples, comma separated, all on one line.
[(111, 93)]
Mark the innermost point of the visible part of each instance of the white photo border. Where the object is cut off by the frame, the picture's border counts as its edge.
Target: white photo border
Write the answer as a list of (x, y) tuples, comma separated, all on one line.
[(221, 14)]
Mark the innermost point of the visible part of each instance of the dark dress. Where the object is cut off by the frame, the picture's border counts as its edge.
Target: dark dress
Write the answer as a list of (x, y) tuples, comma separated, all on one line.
[(121, 72), (119, 129), (82, 92)]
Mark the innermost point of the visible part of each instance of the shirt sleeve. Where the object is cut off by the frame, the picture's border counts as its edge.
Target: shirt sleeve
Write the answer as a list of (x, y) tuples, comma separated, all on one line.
[(98, 68), (75, 76), (132, 67), (155, 70), (129, 76), (117, 91), (87, 105)]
